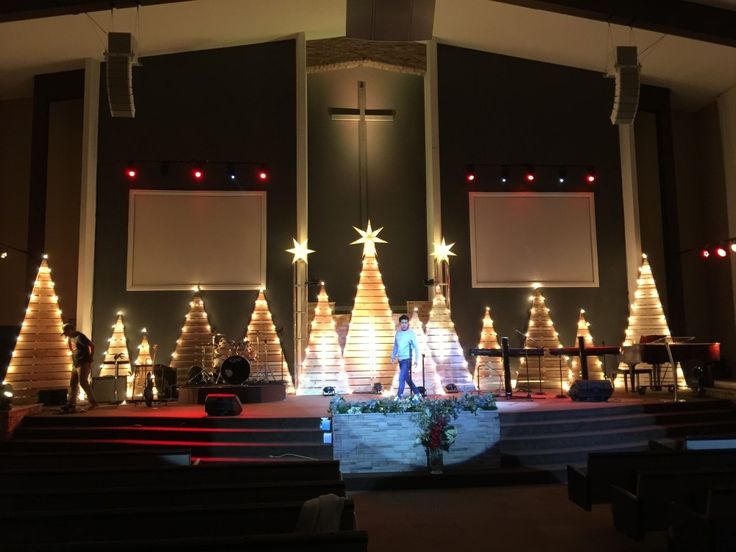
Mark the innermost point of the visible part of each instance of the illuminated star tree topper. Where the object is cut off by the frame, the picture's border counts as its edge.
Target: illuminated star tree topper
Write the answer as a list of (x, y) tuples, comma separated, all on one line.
[(300, 251), (369, 238), (442, 251)]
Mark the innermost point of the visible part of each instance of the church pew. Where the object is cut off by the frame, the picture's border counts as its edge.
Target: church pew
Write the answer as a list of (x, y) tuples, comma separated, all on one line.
[(20, 530), (645, 508), (210, 474), (691, 529), (343, 541), (144, 458), (591, 485), (137, 495)]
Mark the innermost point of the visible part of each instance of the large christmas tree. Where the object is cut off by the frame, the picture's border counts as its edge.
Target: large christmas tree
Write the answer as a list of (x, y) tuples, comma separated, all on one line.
[(371, 332), (41, 358), (488, 370), (144, 360), (541, 333), (194, 346), (595, 366), (269, 364), (323, 365), (117, 349), (646, 318), (445, 347), (428, 376)]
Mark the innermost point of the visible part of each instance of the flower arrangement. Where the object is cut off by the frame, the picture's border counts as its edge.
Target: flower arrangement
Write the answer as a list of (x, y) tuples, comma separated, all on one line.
[(432, 416)]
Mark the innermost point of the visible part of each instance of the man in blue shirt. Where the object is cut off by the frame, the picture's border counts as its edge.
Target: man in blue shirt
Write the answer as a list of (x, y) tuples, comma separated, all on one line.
[(406, 351)]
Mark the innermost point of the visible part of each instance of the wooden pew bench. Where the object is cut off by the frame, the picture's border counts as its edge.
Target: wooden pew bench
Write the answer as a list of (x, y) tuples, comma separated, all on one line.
[(645, 509), (591, 485), (145, 458), (171, 476), (712, 529), (343, 541), (105, 497), (20, 530)]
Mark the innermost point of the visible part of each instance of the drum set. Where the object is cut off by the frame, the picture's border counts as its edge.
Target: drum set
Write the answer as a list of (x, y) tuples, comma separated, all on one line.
[(223, 361)]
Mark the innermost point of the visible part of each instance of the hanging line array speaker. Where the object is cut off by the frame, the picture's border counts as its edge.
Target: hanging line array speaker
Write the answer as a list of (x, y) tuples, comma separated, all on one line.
[(626, 95), (395, 20), (120, 57)]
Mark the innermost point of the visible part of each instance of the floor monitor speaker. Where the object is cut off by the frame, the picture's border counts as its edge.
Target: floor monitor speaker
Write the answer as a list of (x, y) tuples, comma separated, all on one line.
[(222, 404)]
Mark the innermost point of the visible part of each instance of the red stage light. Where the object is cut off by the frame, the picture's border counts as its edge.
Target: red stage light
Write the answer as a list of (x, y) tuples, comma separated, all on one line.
[(590, 178), (470, 176), (721, 252), (704, 253), (197, 174), (529, 177), (131, 173), (262, 175)]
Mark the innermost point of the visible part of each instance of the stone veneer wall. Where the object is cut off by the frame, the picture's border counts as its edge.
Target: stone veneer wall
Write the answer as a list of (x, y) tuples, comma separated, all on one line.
[(386, 442)]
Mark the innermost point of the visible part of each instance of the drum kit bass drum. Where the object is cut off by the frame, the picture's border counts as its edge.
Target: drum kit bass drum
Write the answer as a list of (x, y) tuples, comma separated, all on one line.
[(223, 361)]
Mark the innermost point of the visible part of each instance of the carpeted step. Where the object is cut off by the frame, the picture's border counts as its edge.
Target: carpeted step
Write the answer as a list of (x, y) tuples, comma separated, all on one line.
[(224, 422)]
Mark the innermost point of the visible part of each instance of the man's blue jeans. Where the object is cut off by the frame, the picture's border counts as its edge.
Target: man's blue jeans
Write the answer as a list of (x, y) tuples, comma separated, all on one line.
[(405, 377)]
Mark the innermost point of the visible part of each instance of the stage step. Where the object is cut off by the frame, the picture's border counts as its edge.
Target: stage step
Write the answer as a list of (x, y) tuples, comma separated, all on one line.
[(210, 439), (549, 440)]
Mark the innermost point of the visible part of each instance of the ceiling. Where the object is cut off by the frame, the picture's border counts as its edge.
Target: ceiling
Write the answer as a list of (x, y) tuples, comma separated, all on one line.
[(696, 72)]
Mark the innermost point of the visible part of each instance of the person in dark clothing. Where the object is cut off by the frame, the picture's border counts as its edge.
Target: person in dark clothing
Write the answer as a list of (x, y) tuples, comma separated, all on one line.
[(82, 350)]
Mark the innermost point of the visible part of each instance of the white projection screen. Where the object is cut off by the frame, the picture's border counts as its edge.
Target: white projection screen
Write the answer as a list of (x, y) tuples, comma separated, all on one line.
[(521, 238), (178, 239)]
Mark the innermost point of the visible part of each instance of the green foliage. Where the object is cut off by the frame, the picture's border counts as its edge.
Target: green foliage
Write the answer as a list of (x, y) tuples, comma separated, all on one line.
[(432, 416)]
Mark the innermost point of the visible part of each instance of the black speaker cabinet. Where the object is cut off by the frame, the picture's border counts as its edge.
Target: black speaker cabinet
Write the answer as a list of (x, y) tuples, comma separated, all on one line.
[(120, 57), (105, 388), (222, 404)]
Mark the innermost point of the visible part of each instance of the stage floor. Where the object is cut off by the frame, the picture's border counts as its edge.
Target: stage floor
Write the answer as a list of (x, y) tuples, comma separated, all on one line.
[(316, 406)]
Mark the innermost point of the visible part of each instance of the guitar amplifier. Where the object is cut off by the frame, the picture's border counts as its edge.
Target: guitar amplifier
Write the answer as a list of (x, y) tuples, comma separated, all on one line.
[(105, 387)]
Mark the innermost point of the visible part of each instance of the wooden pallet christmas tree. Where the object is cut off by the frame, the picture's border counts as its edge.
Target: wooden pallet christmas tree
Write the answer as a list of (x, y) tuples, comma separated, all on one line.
[(488, 370), (541, 333), (430, 379), (194, 346), (117, 349), (646, 318), (323, 365), (371, 332), (445, 346), (41, 358), (269, 364), (595, 366), (142, 363)]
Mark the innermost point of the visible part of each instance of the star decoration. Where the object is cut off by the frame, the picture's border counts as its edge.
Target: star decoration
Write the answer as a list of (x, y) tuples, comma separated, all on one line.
[(442, 252), (369, 238), (300, 251)]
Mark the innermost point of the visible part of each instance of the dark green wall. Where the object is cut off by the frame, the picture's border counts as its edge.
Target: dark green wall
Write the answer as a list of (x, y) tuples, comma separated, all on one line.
[(498, 109), (225, 104), (396, 184)]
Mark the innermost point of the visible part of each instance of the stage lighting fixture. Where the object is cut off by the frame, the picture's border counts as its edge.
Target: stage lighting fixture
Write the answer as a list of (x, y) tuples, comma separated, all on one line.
[(164, 168), (328, 391), (262, 174), (4, 255), (6, 396), (198, 173), (377, 388), (562, 177), (733, 247), (470, 175), (721, 252), (590, 176), (231, 174), (131, 171), (504, 175), (704, 253), (451, 388), (530, 175)]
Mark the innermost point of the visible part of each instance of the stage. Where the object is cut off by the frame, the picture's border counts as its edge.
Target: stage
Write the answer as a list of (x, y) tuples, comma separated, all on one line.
[(542, 435)]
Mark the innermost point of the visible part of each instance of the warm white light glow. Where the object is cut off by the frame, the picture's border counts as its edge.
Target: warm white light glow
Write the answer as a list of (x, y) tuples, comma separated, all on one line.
[(442, 252), (369, 238), (300, 251)]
